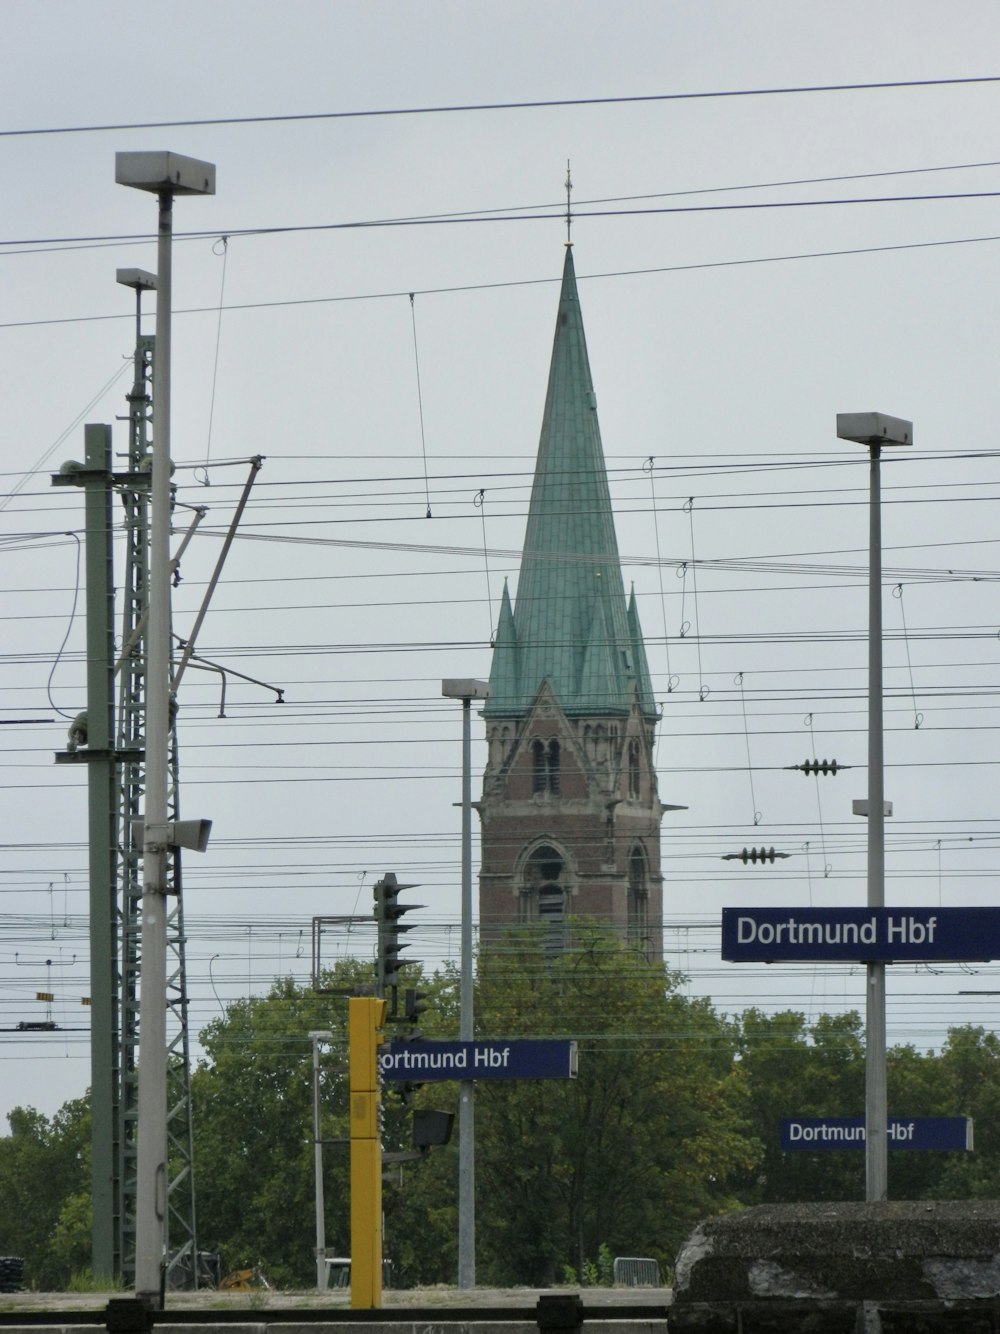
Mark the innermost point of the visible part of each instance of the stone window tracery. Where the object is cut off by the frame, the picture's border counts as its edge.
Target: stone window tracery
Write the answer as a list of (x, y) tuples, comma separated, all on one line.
[(544, 890), (638, 895), (545, 760), (634, 772)]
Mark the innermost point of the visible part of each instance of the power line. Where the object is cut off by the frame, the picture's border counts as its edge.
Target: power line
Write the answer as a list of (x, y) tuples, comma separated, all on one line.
[(456, 289), (523, 105), (41, 244)]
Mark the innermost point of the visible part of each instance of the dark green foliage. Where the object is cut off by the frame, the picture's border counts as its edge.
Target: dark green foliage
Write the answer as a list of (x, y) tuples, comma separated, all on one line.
[(791, 1069), (252, 1100), (964, 1080), (674, 1116), (646, 1140), (45, 1188)]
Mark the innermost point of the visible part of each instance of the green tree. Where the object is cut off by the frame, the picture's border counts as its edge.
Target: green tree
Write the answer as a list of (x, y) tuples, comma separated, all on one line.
[(252, 1103), (792, 1069), (420, 1199), (252, 1099), (45, 1187), (916, 1088), (648, 1137), (968, 1080)]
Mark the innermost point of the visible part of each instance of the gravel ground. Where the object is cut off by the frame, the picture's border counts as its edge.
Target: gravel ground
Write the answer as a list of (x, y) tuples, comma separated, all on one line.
[(337, 1298)]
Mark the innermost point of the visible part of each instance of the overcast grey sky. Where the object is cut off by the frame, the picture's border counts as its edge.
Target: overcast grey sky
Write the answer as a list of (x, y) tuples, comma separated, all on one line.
[(736, 296)]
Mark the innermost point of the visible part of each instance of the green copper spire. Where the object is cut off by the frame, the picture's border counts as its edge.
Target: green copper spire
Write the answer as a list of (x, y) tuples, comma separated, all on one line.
[(503, 672), (639, 662), (570, 625)]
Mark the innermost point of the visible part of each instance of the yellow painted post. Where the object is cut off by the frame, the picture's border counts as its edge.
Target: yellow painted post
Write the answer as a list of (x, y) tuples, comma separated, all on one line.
[(365, 1020)]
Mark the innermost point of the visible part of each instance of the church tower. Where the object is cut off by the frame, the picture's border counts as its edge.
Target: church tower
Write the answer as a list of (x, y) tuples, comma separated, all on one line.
[(570, 814)]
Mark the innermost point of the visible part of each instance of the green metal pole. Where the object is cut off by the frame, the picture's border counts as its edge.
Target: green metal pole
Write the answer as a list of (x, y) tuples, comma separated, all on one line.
[(103, 829)]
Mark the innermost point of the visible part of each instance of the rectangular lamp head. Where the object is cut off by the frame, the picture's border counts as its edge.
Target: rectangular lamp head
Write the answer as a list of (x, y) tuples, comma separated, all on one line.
[(859, 806), (873, 428), (141, 279), (465, 688), (159, 172)]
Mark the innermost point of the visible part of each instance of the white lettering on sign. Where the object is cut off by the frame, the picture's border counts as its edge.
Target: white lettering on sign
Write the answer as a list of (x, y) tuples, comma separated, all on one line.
[(426, 1059), (901, 1130), (794, 932), (910, 931), (492, 1057), (797, 1131)]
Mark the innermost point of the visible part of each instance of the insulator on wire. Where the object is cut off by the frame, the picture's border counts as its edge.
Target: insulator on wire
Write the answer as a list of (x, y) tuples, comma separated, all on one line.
[(819, 767), (754, 855)]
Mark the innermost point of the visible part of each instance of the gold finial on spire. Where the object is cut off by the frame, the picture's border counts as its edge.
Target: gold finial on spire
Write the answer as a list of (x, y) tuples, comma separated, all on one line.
[(569, 211)]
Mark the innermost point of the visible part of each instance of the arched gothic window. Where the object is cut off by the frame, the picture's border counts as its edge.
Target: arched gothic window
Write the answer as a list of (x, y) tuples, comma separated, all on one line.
[(597, 743), (634, 788), (553, 766), (545, 766), (543, 887), (538, 778), (638, 896)]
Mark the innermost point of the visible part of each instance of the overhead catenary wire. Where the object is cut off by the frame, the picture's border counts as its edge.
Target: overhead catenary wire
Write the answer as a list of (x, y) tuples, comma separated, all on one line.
[(757, 815), (763, 580), (827, 867), (918, 717), (38, 244), (420, 403), (479, 502), (224, 242), (520, 105), (453, 289), (69, 628)]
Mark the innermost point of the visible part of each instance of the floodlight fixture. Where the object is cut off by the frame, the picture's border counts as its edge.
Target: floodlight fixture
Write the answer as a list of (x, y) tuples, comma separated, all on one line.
[(859, 806), (141, 280), (874, 428), (165, 173), (465, 688)]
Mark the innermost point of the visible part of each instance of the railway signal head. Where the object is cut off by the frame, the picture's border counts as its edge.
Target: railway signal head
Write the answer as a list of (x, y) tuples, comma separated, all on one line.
[(388, 912)]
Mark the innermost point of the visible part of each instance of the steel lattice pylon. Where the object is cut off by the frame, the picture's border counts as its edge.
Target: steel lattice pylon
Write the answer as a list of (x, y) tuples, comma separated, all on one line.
[(181, 1230), (111, 743)]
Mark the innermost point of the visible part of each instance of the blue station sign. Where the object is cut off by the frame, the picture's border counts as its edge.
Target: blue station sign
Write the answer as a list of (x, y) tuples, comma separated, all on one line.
[(835, 1134), (860, 935), (488, 1058)]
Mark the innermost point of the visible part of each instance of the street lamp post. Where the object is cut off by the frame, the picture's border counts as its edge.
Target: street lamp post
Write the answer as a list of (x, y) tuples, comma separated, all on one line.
[(875, 430), (466, 690), (316, 1037), (165, 175)]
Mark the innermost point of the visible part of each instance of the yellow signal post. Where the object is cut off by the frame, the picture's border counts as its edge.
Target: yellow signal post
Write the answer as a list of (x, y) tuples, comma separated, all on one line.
[(365, 1020)]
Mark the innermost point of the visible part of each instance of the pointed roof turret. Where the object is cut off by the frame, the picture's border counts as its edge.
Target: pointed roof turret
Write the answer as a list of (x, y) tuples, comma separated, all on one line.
[(503, 670), (570, 625), (639, 662)]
